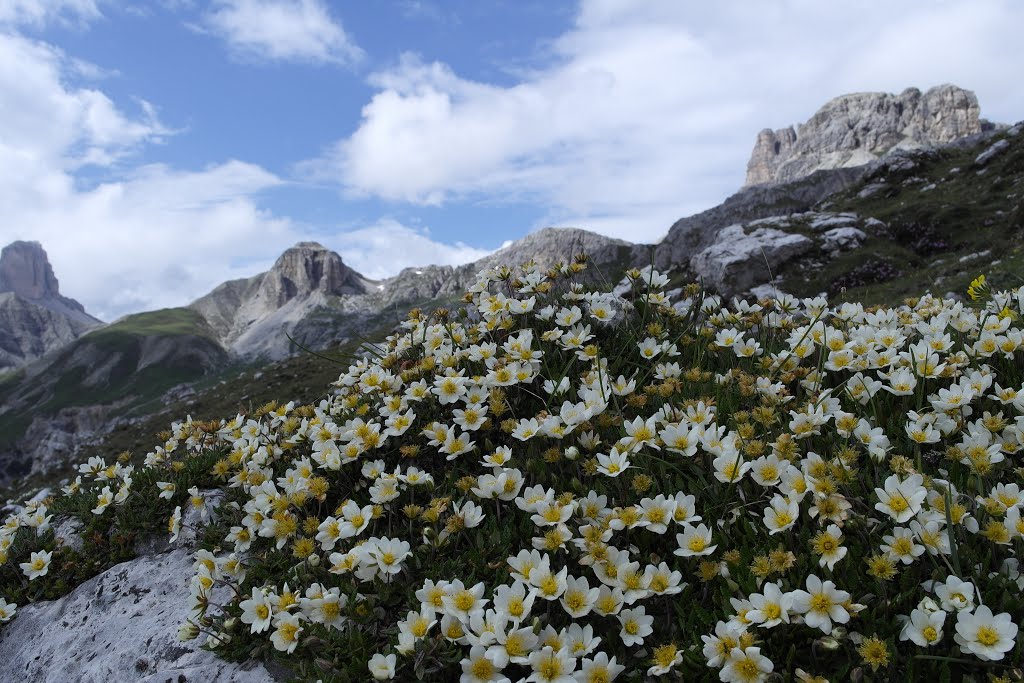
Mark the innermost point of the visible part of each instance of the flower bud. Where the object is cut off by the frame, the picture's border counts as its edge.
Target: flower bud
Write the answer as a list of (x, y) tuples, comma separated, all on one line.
[(188, 631)]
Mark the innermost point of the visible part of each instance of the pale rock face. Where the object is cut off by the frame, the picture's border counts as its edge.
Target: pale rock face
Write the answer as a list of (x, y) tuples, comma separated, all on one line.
[(121, 625), (249, 316), (34, 318), (738, 261), (842, 239), (852, 130)]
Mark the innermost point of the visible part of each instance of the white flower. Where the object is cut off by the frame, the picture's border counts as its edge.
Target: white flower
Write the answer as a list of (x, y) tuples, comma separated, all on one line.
[(103, 500), (955, 594), (636, 625), (599, 668), (389, 553), (37, 565), (552, 666), (746, 666), (900, 546), (985, 635), (257, 611), (612, 464), (901, 500), (694, 541), (382, 667), (781, 514), (828, 544), (771, 606), (821, 604), (578, 598), (462, 602), (7, 610), (719, 646), (924, 627), (287, 629), (479, 668)]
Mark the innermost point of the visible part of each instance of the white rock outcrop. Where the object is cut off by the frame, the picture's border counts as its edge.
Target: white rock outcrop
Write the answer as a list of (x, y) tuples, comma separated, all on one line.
[(842, 239), (739, 260), (121, 625), (852, 130)]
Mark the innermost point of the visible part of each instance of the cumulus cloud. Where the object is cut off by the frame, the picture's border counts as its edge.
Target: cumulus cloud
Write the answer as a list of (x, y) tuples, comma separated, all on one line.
[(36, 13), (153, 237), (386, 247), (643, 107), (282, 30)]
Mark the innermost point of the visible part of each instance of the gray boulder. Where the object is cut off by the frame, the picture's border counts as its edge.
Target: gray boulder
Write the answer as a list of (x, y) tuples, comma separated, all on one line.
[(738, 261), (842, 239), (121, 625), (996, 149)]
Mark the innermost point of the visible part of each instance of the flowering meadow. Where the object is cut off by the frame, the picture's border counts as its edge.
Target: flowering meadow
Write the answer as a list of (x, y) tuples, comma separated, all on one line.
[(559, 484)]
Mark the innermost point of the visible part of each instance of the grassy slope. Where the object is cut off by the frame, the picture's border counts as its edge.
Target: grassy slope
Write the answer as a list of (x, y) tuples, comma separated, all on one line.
[(937, 239), (66, 382)]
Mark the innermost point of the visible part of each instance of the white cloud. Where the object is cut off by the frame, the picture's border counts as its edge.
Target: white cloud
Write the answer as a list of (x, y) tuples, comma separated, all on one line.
[(386, 247), (282, 30), (159, 238), (154, 237), (648, 106), (39, 12)]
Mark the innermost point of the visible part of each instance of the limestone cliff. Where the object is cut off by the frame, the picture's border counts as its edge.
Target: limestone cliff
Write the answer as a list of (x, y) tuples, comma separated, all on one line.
[(248, 315), (34, 317), (855, 129)]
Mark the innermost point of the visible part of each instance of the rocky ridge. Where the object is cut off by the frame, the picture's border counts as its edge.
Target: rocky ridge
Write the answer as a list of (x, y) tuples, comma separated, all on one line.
[(34, 317), (315, 298), (855, 129)]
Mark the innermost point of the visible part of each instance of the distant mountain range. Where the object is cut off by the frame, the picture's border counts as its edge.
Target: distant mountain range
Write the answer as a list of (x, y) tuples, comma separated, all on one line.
[(813, 221)]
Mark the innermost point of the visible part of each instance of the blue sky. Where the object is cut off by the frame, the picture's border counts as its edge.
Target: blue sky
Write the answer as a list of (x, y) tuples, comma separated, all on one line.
[(159, 148)]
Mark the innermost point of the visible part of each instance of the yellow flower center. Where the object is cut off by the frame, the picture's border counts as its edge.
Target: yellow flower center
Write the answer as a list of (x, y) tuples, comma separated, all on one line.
[(514, 646), (665, 655), (464, 601), (897, 503), (930, 634), (482, 668), (820, 603), (987, 636)]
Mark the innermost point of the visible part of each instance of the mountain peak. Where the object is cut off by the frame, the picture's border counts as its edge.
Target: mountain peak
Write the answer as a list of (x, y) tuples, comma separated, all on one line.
[(308, 246), (25, 270), (305, 268), (857, 128)]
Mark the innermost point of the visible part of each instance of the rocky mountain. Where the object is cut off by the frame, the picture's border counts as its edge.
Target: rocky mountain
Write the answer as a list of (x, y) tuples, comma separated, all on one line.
[(34, 317), (855, 129), (311, 296), (247, 316)]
